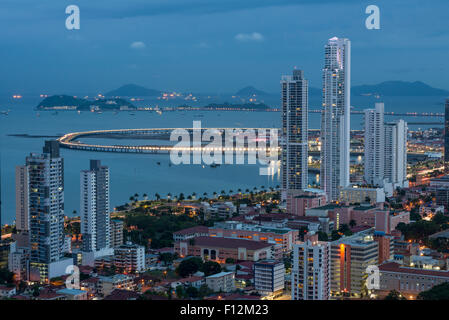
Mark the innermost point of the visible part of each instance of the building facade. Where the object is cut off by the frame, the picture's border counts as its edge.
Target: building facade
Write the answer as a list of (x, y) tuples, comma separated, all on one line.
[(311, 270), (396, 153), (46, 211), (269, 277), (294, 138), (374, 146), (94, 207), (335, 117)]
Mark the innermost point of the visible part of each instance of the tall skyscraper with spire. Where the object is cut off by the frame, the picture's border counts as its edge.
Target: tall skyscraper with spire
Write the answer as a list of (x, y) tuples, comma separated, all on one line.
[(294, 131), (335, 117)]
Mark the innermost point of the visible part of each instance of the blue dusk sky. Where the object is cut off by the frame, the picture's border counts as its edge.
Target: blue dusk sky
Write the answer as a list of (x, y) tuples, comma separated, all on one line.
[(214, 45)]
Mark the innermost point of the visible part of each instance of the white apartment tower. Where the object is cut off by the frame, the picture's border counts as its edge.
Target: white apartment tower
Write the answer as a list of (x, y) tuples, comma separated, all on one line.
[(311, 269), (335, 117), (374, 145), (94, 207), (294, 96), (396, 153)]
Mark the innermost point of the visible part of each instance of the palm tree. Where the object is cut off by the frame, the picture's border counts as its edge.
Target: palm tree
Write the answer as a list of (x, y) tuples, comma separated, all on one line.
[(74, 212), (205, 194), (231, 191), (194, 195), (158, 197), (215, 194), (223, 192), (247, 190), (239, 190), (145, 196), (168, 195), (131, 198)]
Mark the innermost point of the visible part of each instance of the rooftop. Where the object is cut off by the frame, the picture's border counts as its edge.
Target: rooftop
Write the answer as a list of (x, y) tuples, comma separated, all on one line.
[(230, 243), (395, 267), (193, 230), (218, 275)]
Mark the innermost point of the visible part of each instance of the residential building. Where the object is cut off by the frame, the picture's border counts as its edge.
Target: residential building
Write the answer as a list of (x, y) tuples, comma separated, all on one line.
[(94, 207), (374, 146), (118, 281), (46, 211), (311, 272), (116, 233), (221, 282), (269, 277), (297, 203), (350, 257), (130, 257), (355, 194), (294, 135), (396, 154), (335, 117), (446, 136)]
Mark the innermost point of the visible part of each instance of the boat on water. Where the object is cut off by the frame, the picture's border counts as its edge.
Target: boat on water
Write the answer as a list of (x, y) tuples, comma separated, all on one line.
[(4, 113), (214, 165)]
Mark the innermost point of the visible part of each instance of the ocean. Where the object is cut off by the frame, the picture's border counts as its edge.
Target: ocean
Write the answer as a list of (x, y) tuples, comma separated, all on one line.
[(137, 173)]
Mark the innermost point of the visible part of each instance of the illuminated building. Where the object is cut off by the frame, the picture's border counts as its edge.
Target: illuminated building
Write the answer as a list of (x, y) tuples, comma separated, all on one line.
[(311, 269), (335, 117), (294, 95)]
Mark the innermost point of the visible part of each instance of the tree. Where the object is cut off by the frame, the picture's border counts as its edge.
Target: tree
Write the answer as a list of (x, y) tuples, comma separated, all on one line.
[(210, 268), (6, 277), (180, 292), (438, 292), (204, 291), (189, 266), (158, 197), (230, 260), (352, 223), (322, 236), (395, 295), (192, 292), (166, 258)]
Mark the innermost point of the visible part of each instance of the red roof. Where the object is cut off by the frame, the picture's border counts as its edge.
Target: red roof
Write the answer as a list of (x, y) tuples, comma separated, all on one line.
[(190, 279), (193, 230), (119, 294), (219, 242), (395, 267)]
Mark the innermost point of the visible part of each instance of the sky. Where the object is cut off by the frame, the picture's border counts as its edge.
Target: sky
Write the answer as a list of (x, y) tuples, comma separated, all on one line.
[(214, 46)]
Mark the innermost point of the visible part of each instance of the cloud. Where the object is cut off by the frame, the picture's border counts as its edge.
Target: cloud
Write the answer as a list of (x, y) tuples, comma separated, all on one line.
[(138, 45), (245, 37)]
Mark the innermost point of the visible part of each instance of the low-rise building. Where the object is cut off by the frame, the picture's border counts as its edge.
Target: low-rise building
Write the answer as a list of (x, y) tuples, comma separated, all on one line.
[(269, 277), (409, 281), (130, 257), (73, 294), (354, 194), (118, 281), (220, 249), (221, 282)]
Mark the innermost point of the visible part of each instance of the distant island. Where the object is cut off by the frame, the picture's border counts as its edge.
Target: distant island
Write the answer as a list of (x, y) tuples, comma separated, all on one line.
[(64, 102), (133, 90), (398, 88)]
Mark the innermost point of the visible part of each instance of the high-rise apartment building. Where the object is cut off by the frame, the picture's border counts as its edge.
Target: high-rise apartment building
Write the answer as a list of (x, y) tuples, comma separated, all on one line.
[(374, 145), (335, 117), (396, 153), (269, 277), (311, 269), (94, 207), (294, 96), (350, 257), (46, 211), (446, 136)]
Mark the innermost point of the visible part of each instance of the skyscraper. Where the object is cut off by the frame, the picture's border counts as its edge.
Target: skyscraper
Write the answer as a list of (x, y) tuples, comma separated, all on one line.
[(335, 117), (46, 211), (374, 145), (396, 153), (311, 269), (22, 205), (94, 207), (446, 136), (294, 131)]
